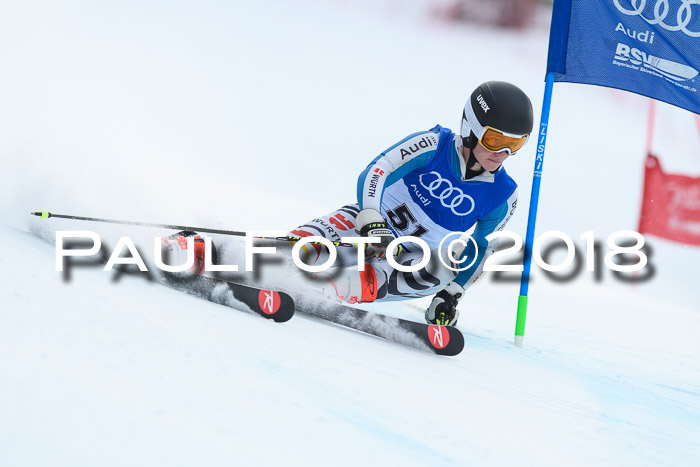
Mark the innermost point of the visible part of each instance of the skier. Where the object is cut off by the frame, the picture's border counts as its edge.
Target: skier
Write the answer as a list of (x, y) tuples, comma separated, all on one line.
[(428, 185)]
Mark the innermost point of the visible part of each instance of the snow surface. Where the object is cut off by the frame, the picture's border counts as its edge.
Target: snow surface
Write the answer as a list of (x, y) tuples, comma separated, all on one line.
[(259, 115)]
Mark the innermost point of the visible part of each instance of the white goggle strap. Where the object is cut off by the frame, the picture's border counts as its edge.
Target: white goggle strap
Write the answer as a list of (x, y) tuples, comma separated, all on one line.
[(470, 123)]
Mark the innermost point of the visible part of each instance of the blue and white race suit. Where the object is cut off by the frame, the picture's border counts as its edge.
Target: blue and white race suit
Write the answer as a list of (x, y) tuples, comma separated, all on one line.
[(418, 187)]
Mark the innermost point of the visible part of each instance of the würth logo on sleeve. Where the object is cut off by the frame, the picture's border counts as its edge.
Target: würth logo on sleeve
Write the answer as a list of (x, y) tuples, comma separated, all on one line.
[(411, 148), (379, 171), (372, 192)]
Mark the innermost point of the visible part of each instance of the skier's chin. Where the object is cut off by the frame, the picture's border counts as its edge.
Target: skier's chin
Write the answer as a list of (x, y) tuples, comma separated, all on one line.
[(492, 165)]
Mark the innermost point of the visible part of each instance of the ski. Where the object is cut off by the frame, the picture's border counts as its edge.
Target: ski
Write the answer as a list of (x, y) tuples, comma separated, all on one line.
[(271, 304), (280, 307), (442, 340)]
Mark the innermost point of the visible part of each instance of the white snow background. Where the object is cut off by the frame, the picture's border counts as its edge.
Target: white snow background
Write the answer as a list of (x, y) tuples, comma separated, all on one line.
[(260, 115)]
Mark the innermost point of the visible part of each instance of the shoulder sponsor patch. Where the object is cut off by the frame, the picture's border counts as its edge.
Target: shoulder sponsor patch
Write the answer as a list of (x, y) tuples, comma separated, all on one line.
[(415, 146)]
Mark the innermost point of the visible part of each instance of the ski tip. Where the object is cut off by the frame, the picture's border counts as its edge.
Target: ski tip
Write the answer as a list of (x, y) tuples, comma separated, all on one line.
[(41, 214)]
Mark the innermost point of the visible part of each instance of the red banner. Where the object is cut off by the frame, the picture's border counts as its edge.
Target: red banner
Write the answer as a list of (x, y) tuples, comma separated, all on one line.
[(670, 205)]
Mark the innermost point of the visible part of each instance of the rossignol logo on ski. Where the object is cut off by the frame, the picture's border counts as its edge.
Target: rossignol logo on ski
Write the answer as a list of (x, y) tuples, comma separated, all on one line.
[(269, 301), (439, 336)]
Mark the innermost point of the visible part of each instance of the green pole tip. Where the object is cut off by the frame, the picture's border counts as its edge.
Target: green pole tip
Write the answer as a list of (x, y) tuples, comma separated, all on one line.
[(522, 313), (41, 214)]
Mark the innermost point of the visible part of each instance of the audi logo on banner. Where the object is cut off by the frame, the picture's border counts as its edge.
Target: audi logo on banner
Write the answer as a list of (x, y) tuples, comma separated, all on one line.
[(451, 197), (683, 15)]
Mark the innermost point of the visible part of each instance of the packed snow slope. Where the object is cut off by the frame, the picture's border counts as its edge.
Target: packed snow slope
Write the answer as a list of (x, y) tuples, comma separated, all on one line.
[(260, 115)]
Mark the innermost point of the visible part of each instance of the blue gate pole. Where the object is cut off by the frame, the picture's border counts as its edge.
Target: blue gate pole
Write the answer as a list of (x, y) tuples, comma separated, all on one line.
[(532, 216)]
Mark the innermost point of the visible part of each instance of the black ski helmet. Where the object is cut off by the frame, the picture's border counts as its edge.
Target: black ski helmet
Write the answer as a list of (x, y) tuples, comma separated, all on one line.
[(499, 105)]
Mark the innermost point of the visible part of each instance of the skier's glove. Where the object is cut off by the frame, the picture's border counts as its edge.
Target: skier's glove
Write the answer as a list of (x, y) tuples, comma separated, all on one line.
[(370, 223), (443, 309)]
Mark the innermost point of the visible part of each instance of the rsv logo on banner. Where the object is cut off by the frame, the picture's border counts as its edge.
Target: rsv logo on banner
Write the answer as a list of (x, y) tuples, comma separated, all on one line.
[(650, 47)]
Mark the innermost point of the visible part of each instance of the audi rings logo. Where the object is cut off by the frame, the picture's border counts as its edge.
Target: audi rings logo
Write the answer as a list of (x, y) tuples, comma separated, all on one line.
[(661, 9), (450, 197)]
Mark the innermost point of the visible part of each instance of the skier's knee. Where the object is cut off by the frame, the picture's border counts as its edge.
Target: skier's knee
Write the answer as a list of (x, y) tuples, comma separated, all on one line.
[(175, 251)]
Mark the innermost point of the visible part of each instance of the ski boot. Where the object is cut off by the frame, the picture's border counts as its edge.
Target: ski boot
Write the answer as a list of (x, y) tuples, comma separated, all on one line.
[(443, 309)]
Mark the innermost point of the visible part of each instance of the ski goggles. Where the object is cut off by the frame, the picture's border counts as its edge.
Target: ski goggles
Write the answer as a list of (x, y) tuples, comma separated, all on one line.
[(492, 139)]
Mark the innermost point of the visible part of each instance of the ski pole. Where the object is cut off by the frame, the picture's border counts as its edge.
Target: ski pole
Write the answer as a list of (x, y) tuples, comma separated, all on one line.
[(46, 215)]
